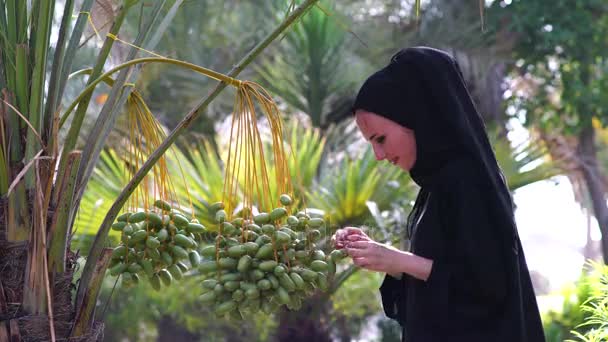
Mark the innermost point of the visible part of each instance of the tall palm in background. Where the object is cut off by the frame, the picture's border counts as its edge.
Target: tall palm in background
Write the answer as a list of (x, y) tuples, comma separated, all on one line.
[(312, 70)]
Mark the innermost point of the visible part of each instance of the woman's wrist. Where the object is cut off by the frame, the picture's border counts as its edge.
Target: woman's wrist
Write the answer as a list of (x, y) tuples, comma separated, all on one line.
[(414, 265), (399, 261)]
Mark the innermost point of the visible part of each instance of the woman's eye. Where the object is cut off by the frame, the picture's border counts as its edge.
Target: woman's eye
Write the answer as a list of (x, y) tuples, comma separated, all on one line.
[(380, 139)]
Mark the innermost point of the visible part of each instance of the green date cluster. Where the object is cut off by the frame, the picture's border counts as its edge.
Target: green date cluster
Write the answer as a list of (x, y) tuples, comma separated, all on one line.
[(265, 263), (250, 263), (156, 245)]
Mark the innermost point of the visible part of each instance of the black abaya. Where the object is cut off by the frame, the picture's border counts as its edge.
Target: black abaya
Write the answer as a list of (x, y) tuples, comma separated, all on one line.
[(477, 290)]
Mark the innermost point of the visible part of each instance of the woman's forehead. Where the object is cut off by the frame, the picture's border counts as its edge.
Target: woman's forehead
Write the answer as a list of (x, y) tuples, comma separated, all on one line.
[(371, 123), (362, 119)]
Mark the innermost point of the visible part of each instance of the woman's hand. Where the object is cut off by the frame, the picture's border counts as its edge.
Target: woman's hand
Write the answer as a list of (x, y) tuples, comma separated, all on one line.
[(348, 234), (375, 256), (365, 252)]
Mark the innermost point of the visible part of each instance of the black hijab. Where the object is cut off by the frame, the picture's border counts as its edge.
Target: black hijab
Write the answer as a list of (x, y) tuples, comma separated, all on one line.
[(423, 89)]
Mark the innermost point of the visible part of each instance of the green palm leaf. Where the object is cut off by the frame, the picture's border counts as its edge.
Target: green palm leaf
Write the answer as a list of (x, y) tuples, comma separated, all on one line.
[(523, 164), (304, 148), (197, 171), (105, 185), (345, 191), (307, 148), (309, 69)]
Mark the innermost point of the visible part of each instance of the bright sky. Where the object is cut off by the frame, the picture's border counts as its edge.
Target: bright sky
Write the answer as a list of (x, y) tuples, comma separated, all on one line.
[(552, 226), (553, 230)]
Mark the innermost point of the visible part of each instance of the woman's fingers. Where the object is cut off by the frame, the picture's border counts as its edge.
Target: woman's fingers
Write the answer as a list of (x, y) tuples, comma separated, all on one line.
[(347, 234), (340, 234), (338, 238), (358, 244), (358, 249), (352, 238), (355, 253), (360, 261), (353, 230), (337, 244)]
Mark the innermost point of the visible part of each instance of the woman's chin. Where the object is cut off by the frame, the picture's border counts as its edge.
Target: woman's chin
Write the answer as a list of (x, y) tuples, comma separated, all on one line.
[(402, 167)]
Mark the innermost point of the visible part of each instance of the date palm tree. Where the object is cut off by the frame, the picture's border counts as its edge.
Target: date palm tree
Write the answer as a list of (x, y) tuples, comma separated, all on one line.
[(44, 174)]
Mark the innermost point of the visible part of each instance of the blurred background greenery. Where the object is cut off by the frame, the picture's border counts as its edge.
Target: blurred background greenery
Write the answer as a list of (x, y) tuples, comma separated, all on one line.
[(540, 66)]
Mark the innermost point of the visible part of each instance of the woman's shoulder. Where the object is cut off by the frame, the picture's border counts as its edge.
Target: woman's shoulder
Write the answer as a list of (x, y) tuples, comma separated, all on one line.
[(459, 169), (461, 174)]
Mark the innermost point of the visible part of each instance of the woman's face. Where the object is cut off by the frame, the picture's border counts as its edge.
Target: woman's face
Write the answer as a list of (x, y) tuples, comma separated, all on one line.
[(390, 141)]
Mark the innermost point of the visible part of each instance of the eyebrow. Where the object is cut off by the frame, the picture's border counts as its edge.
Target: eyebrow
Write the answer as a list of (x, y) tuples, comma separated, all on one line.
[(372, 137)]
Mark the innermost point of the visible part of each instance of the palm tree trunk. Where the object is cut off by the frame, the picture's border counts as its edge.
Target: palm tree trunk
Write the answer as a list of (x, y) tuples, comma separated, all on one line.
[(593, 179), (485, 90), (15, 322), (592, 248)]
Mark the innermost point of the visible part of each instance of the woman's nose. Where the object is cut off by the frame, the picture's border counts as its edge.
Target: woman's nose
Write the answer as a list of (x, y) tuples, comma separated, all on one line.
[(380, 155)]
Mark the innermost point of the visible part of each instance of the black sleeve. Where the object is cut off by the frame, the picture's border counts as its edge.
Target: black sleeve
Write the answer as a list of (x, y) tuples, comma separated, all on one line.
[(472, 231), (394, 295)]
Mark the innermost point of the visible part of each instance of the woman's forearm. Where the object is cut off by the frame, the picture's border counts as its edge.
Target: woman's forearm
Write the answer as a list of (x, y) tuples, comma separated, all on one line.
[(416, 266)]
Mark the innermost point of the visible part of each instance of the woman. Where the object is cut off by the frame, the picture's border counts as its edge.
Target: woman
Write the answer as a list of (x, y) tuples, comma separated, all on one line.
[(465, 277)]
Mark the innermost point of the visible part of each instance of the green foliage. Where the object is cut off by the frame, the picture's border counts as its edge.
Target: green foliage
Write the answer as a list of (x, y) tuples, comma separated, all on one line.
[(556, 27), (523, 164), (362, 285), (305, 149), (212, 33), (105, 185), (557, 325), (198, 172), (344, 191), (390, 331), (310, 68), (595, 327), (584, 310), (602, 146), (138, 313), (306, 154), (561, 49)]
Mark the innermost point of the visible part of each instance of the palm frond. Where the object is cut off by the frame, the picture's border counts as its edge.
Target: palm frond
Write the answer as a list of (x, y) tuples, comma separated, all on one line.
[(105, 185), (203, 178), (523, 164), (309, 69), (344, 192)]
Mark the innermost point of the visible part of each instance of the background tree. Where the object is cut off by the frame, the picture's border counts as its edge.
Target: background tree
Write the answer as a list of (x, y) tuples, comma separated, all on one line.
[(561, 66)]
